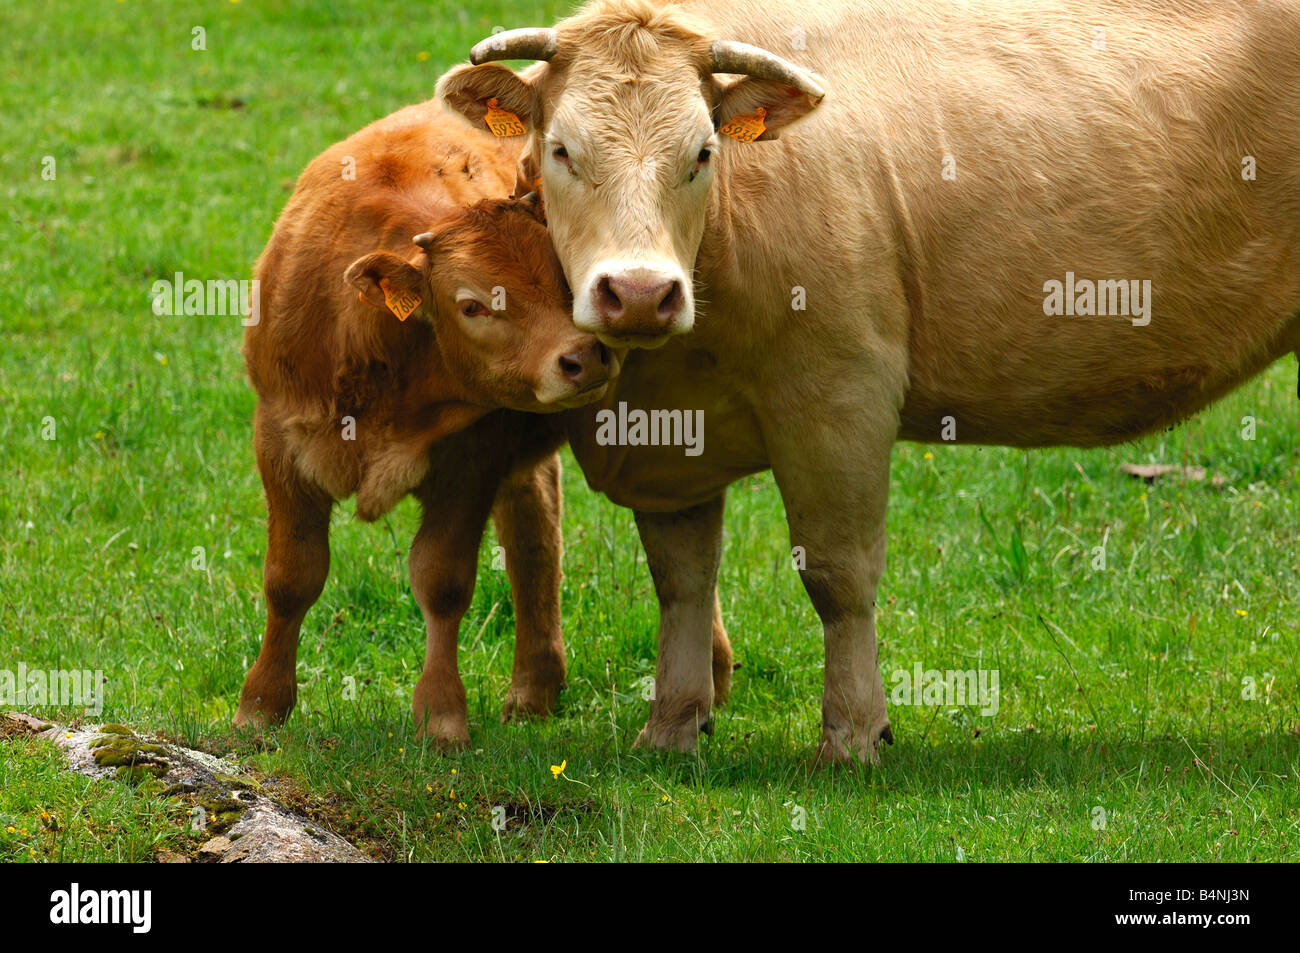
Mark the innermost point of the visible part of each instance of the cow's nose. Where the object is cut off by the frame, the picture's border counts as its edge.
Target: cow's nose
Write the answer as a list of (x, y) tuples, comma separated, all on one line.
[(636, 305), (586, 367)]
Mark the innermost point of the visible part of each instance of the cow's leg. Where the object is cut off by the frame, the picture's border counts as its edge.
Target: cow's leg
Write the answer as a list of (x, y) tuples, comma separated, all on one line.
[(835, 485), (527, 518), (444, 565), (683, 550), (297, 563)]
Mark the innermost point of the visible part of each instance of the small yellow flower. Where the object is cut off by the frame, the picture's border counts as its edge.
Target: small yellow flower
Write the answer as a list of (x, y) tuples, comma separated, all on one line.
[(390, 734), (558, 769), (1241, 612), (451, 796), (667, 798), (401, 751), (99, 435), (929, 455), (11, 830), (461, 805), (422, 56), (438, 815), (453, 770), (429, 788)]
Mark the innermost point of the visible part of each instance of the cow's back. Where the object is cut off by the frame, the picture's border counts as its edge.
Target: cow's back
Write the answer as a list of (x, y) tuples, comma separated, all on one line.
[(966, 155)]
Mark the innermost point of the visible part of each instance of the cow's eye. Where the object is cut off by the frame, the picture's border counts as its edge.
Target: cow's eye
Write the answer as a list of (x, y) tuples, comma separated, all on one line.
[(701, 162), (472, 309), (561, 154)]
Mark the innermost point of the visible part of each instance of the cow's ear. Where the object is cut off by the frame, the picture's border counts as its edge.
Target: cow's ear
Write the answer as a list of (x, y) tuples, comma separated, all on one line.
[(390, 283), (782, 105), (467, 89)]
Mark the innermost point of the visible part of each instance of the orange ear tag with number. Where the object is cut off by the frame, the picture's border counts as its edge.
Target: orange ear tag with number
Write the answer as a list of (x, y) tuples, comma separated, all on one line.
[(401, 303), (502, 123), (745, 128)]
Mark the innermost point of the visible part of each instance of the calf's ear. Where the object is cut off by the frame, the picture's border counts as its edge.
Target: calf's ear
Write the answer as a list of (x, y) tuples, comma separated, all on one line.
[(467, 89), (782, 104), (389, 283)]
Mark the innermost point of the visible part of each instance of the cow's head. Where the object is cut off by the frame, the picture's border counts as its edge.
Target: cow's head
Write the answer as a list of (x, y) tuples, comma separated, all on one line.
[(487, 279), (623, 118)]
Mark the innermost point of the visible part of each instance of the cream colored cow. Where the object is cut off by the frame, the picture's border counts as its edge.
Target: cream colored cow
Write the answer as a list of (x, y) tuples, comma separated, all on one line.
[(1027, 222)]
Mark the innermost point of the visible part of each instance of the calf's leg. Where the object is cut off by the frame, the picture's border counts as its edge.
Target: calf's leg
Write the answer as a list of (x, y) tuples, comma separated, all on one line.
[(444, 565), (527, 518), (722, 659), (297, 563), (683, 550)]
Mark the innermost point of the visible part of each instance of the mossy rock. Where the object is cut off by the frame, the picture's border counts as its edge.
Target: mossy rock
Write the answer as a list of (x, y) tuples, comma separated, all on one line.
[(140, 773), (223, 813), (116, 751)]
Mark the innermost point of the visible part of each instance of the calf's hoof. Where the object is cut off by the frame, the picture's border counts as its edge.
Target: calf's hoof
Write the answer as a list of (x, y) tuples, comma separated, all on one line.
[(524, 702), (264, 702), (533, 693), (441, 717), (446, 731)]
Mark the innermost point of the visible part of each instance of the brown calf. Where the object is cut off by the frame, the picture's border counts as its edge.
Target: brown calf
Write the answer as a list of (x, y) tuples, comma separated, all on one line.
[(393, 382)]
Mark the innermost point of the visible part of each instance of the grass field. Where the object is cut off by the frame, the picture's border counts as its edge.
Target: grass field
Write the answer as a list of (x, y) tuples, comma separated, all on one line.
[(1148, 710)]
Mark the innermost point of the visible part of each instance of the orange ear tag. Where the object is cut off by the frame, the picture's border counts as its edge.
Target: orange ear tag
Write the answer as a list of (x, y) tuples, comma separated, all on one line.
[(401, 303), (745, 128), (502, 123)]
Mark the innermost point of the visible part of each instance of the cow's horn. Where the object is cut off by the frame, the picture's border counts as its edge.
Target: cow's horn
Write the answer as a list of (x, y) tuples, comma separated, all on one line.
[(530, 43), (746, 60), (424, 239)]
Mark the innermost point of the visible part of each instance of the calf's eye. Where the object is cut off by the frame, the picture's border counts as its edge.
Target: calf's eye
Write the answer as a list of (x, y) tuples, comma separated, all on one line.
[(703, 157), (472, 309)]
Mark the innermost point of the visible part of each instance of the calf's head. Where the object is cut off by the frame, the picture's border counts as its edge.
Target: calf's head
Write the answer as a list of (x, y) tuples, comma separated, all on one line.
[(488, 281), (623, 117)]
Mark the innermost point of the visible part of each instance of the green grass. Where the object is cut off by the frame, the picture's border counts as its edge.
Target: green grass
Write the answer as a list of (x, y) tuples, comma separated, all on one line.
[(1121, 689)]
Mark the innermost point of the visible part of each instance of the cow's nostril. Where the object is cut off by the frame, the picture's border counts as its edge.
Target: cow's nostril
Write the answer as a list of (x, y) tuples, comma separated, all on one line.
[(671, 302), (608, 302)]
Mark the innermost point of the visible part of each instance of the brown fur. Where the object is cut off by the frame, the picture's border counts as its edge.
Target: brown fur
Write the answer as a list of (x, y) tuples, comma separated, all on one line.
[(353, 400)]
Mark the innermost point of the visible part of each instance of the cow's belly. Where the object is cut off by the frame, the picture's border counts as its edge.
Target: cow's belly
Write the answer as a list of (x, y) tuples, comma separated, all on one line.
[(1078, 391), (613, 440)]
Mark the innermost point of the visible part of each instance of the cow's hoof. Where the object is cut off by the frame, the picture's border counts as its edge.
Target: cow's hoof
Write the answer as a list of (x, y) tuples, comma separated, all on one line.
[(844, 747), (661, 734)]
